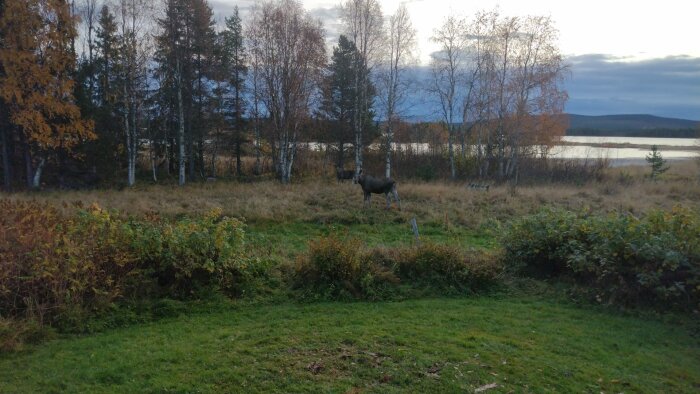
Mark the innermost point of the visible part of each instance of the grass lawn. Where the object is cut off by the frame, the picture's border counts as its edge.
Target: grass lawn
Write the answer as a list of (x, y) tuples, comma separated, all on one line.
[(434, 345), (520, 343)]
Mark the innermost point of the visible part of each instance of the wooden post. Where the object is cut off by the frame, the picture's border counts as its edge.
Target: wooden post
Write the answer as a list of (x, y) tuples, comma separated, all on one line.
[(414, 226)]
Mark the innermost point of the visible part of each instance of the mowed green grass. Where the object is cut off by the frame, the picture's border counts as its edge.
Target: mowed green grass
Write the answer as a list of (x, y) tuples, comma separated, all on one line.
[(434, 345)]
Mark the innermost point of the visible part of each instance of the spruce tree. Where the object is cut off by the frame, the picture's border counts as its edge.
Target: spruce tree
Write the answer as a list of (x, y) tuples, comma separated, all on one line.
[(657, 163), (339, 101), (234, 71)]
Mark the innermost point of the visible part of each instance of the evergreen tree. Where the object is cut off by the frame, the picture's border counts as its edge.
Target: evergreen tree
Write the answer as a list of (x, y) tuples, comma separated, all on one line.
[(657, 163), (234, 71), (106, 152), (184, 53), (339, 100)]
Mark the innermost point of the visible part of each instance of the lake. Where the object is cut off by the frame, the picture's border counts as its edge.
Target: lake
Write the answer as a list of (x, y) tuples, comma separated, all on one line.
[(687, 142), (594, 148)]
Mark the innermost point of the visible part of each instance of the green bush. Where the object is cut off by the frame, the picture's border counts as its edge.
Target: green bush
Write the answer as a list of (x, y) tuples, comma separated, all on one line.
[(447, 267), (537, 245), (426, 172), (340, 269), (194, 254), (337, 268), (61, 271), (653, 260)]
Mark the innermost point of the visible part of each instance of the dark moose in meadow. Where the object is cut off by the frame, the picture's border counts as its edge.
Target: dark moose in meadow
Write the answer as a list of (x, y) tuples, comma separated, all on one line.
[(344, 175), (374, 185)]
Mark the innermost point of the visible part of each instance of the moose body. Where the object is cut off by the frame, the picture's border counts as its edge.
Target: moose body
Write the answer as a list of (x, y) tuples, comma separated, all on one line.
[(374, 185), (342, 174)]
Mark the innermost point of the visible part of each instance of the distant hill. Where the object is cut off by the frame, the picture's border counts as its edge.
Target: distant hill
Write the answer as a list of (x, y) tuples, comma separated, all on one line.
[(632, 126)]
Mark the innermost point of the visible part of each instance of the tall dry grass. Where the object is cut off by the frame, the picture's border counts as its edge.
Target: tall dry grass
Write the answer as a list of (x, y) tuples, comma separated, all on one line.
[(323, 200)]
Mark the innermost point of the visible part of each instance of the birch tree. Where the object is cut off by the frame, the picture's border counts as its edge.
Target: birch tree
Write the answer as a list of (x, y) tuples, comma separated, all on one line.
[(290, 48), (447, 71), (255, 87), (364, 25), (398, 55), (133, 20), (517, 89), (36, 84)]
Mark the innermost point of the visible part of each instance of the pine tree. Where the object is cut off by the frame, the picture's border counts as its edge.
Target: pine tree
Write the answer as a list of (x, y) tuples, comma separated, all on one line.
[(657, 163), (36, 84)]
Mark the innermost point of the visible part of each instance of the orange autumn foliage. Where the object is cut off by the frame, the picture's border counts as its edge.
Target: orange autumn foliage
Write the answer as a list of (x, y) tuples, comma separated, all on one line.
[(36, 85)]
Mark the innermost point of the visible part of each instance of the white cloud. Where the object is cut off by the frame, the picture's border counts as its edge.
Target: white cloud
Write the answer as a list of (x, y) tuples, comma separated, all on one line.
[(637, 29)]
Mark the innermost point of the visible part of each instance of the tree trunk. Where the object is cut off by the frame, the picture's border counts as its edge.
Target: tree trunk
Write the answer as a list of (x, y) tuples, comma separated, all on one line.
[(258, 165), (29, 168), (360, 93), (290, 161), (181, 126), (191, 159), (134, 144), (6, 166), (131, 177), (358, 152), (36, 181), (200, 157), (239, 170), (154, 172), (341, 154), (451, 149), (389, 140)]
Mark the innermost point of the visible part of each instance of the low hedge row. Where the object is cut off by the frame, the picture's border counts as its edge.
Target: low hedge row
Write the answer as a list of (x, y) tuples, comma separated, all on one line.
[(343, 268), (618, 258), (54, 267)]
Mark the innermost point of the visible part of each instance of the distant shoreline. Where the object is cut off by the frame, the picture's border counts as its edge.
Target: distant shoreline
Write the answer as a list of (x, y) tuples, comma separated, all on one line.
[(629, 145)]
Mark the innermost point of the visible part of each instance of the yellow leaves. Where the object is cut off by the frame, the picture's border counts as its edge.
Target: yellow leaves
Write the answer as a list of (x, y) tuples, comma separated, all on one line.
[(37, 64), (214, 214)]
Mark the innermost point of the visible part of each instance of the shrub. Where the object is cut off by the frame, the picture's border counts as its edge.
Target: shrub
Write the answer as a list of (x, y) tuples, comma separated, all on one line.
[(338, 268), (536, 244), (49, 263), (426, 172), (191, 255), (447, 267), (653, 260), (61, 270)]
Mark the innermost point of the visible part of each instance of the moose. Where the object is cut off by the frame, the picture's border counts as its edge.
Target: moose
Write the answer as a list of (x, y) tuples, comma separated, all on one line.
[(374, 185), (342, 174)]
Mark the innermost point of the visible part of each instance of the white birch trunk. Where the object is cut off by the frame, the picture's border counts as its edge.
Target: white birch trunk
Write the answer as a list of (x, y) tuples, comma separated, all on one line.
[(36, 181)]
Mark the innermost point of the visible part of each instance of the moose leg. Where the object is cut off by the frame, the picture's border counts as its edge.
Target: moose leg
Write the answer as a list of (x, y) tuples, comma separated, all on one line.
[(396, 196), (388, 200), (367, 200)]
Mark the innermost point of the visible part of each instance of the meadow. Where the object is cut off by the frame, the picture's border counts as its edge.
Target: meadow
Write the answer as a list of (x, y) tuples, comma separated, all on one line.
[(522, 335)]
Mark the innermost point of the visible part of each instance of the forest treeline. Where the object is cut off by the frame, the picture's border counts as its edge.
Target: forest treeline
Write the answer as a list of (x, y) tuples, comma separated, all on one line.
[(94, 90)]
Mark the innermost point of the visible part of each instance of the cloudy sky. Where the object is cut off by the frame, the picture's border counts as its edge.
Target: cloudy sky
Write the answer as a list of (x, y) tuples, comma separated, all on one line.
[(627, 56)]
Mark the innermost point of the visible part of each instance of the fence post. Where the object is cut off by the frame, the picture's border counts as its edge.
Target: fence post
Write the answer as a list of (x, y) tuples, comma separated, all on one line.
[(414, 226)]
